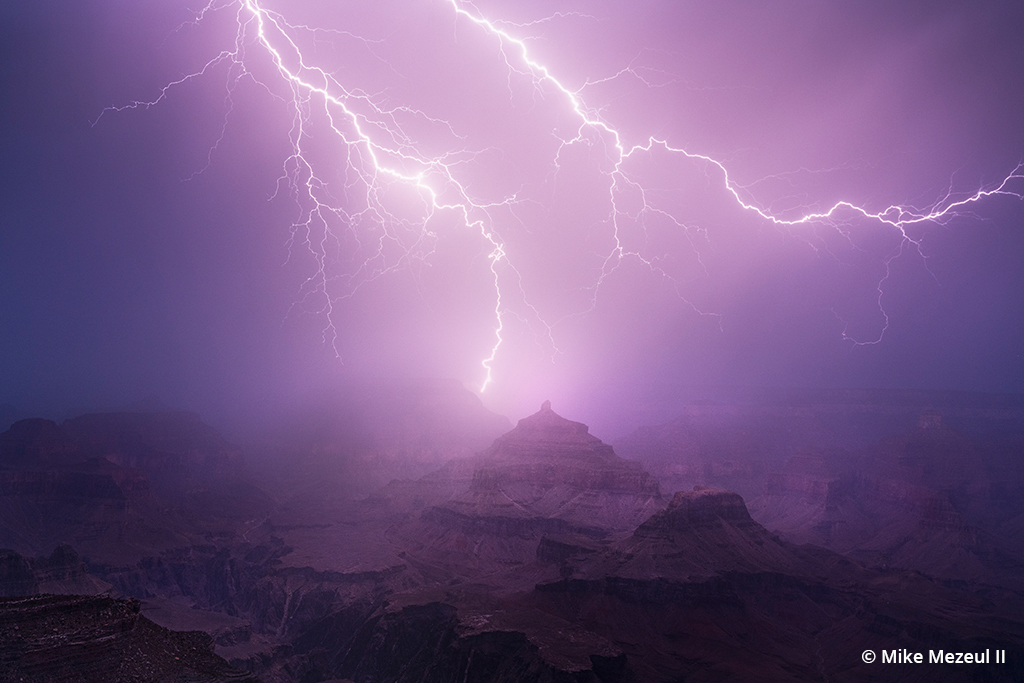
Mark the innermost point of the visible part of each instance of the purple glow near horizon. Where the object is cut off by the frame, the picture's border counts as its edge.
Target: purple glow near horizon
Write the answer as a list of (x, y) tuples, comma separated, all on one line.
[(523, 194)]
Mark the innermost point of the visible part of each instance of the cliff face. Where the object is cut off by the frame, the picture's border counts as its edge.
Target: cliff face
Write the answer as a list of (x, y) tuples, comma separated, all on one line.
[(63, 573), (54, 639)]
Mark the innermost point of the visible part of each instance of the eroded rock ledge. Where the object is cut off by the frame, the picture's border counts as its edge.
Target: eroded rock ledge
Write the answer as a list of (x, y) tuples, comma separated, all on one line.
[(51, 638)]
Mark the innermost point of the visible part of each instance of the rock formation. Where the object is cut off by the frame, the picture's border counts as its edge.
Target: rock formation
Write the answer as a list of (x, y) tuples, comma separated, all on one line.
[(53, 639), (548, 477), (551, 468)]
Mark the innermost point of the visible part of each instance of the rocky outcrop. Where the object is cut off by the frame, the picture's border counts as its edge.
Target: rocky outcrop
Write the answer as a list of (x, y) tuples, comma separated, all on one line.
[(701, 534), (699, 591), (548, 476), (559, 549), (701, 507), (51, 639), (552, 468), (250, 583), (63, 573)]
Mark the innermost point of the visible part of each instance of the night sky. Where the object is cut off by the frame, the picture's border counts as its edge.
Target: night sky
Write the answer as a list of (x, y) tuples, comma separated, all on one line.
[(176, 250)]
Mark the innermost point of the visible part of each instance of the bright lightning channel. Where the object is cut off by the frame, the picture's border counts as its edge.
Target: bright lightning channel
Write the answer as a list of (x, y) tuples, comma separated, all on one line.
[(380, 152)]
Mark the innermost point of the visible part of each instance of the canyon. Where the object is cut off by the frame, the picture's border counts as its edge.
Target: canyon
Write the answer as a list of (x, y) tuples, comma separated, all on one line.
[(413, 536)]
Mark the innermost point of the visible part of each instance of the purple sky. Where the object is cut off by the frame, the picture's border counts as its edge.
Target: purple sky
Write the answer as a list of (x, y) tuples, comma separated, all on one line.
[(158, 251)]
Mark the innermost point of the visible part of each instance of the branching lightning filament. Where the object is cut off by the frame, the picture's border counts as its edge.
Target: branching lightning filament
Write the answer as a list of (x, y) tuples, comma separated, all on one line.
[(352, 152)]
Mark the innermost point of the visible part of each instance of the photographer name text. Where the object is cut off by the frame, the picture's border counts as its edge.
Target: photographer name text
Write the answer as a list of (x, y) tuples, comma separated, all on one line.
[(937, 657)]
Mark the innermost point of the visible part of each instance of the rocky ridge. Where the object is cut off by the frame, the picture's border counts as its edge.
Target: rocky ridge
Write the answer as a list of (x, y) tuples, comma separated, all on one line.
[(51, 639)]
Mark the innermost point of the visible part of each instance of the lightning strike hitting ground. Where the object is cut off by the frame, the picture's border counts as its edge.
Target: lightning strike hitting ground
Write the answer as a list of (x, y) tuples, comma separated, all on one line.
[(378, 156)]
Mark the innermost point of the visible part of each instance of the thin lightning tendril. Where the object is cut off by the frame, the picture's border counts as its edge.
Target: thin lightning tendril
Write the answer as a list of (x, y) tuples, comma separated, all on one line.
[(379, 153)]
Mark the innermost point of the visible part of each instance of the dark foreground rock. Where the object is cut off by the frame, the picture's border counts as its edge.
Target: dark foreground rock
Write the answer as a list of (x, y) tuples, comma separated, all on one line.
[(58, 638), (428, 644)]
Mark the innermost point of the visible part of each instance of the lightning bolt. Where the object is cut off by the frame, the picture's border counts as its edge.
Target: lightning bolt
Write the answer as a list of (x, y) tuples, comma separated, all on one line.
[(345, 188)]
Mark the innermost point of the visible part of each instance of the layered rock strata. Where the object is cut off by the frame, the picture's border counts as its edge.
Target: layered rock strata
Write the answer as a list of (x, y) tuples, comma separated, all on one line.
[(548, 477), (51, 639), (552, 468)]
